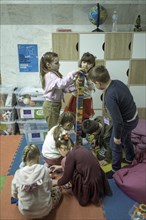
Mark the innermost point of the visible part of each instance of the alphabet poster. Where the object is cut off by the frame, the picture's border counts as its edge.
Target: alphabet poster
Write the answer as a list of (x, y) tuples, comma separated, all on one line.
[(28, 57)]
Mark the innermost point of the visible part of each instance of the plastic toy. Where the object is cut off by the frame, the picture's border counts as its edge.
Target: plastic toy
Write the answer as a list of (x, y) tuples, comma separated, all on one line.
[(79, 106), (14, 201), (52, 175), (138, 212)]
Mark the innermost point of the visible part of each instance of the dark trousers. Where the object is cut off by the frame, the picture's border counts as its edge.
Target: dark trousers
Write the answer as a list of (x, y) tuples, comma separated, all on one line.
[(126, 142)]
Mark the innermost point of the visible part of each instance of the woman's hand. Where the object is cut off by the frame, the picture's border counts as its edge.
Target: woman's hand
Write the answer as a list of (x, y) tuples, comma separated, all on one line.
[(54, 168)]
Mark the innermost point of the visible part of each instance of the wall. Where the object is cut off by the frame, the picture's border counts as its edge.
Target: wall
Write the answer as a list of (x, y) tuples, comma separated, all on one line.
[(34, 23)]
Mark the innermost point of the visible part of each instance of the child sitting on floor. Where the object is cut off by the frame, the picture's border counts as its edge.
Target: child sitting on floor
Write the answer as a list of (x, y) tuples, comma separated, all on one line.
[(50, 152), (82, 170), (33, 187), (101, 136)]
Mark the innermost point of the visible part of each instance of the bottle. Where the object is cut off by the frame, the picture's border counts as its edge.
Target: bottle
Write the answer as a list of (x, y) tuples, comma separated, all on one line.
[(114, 19)]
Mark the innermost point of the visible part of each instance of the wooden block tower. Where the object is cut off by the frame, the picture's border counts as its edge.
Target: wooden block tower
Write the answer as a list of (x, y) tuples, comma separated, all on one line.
[(79, 106)]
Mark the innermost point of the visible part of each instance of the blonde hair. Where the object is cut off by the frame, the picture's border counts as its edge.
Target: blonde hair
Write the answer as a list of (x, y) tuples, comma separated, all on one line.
[(31, 152)]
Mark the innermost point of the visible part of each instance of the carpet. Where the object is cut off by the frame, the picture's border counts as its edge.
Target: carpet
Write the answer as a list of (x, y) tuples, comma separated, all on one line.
[(9, 145), (18, 156), (69, 208), (118, 206), (112, 208)]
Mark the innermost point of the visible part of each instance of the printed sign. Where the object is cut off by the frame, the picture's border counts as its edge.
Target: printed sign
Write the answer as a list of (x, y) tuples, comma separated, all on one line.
[(28, 57)]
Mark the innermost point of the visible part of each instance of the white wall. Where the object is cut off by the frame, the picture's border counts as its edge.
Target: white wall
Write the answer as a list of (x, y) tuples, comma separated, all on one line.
[(12, 35)]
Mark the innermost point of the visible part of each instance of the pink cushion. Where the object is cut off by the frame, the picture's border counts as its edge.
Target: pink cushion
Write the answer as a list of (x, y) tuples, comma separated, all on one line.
[(132, 181)]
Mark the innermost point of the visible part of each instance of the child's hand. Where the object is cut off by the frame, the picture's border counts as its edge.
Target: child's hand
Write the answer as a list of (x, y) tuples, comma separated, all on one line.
[(54, 168), (103, 162), (54, 182)]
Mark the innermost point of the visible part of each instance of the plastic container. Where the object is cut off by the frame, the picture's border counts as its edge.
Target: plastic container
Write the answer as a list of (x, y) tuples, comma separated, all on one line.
[(137, 213), (35, 137), (29, 96), (6, 93), (7, 128), (30, 112), (6, 114), (31, 125)]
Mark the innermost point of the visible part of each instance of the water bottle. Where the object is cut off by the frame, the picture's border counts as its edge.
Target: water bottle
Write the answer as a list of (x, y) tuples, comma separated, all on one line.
[(114, 19)]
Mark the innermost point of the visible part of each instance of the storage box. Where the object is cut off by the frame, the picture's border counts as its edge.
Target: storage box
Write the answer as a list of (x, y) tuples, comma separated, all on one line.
[(137, 213), (35, 137), (30, 112), (31, 125), (6, 93), (6, 114), (29, 96), (7, 128)]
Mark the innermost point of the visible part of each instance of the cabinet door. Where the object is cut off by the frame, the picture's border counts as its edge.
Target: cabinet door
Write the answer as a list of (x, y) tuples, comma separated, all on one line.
[(137, 72), (142, 113), (139, 46), (67, 66), (64, 44), (92, 43), (118, 46), (139, 94), (118, 69), (97, 99)]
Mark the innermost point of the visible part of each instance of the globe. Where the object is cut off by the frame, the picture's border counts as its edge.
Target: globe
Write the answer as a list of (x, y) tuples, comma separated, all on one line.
[(96, 12)]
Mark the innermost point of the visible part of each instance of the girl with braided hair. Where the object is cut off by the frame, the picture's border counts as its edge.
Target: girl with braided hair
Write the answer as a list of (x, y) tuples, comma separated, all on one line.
[(33, 187), (49, 151)]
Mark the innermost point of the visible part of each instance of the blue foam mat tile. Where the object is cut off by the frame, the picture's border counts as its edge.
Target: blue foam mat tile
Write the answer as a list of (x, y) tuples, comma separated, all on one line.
[(18, 156), (117, 206)]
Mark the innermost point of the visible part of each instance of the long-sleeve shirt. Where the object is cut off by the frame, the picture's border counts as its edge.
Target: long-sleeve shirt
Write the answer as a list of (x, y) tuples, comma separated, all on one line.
[(89, 87), (32, 186), (88, 180), (120, 104), (54, 85), (49, 149)]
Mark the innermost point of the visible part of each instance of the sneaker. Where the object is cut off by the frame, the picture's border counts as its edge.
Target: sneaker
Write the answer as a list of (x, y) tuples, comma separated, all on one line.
[(109, 174), (126, 161)]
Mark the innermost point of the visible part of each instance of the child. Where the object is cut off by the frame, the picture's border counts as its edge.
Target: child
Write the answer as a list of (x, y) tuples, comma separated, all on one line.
[(54, 86), (87, 62), (120, 104), (50, 152), (32, 186), (81, 168), (102, 133)]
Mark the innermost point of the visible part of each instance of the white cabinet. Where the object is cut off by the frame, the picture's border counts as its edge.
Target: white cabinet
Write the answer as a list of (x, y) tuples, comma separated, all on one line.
[(97, 99), (139, 46), (118, 69), (67, 66), (92, 43), (139, 94)]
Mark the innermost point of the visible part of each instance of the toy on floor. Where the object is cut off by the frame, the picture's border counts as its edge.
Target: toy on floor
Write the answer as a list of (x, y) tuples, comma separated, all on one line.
[(79, 106), (14, 201), (52, 175), (138, 212)]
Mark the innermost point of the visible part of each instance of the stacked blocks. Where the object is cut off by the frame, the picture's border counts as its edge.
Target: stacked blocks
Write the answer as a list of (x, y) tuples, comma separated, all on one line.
[(79, 106)]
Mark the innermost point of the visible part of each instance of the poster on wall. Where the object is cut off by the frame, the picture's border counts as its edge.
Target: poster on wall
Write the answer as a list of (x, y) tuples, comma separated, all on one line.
[(28, 57)]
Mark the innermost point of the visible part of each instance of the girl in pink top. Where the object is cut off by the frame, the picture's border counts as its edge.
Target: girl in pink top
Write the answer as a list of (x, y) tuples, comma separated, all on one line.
[(54, 86)]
